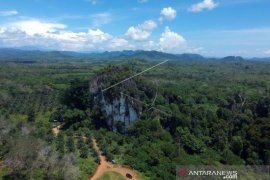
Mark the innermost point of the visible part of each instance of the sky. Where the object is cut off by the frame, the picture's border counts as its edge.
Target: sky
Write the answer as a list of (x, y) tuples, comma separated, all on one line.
[(212, 28)]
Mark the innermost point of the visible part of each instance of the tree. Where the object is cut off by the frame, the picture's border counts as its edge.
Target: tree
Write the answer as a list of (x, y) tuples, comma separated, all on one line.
[(120, 126), (224, 113), (231, 159), (77, 96), (70, 145), (84, 152), (31, 116), (109, 156), (80, 143), (21, 156), (73, 115), (258, 135), (262, 108), (189, 142), (237, 145), (218, 133), (60, 145), (267, 157), (71, 169)]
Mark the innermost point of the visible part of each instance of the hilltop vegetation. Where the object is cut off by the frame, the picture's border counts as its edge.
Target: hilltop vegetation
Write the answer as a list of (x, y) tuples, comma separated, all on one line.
[(15, 55), (218, 114)]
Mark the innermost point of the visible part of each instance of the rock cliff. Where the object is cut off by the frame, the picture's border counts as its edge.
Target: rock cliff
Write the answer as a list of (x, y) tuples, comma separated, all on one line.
[(118, 105)]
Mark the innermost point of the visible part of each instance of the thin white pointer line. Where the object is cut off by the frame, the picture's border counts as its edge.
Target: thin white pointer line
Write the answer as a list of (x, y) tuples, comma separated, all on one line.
[(134, 76)]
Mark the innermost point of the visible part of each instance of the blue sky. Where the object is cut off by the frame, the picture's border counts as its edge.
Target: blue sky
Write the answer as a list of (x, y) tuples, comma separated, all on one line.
[(208, 27)]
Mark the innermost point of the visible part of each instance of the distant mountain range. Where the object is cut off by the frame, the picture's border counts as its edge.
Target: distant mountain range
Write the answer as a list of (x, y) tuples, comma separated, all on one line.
[(233, 58), (147, 55), (9, 54)]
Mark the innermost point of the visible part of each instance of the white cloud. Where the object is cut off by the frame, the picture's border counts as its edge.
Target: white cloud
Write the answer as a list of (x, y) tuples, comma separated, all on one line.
[(119, 44), (143, 1), (56, 36), (168, 13), (2, 30), (98, 36), (141, 32), (205, 4), (101, 19), (32, 27), (150, 45), (148, 25), (8, 13), (171, 41), (97, 20), (137, 34), (93, 2), (51, 36), (266, 52), (195, 50)]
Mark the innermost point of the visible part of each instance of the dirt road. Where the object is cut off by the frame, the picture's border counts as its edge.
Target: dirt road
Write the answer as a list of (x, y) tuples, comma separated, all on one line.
[(106, 166)]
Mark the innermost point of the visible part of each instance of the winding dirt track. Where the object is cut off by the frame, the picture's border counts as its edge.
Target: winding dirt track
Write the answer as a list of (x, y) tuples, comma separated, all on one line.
[(106, 166)]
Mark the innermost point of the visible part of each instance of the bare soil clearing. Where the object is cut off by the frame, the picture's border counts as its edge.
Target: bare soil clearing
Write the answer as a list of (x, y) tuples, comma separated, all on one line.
[(55, 131)]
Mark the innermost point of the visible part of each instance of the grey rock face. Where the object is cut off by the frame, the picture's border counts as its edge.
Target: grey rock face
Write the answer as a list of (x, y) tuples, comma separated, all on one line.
[(119, 112), (118, 109)]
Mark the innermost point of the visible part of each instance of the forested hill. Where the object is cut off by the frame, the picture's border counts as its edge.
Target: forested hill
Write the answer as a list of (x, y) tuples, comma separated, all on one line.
[(22, 55), (18, 55), (30, 56), (147, 55)]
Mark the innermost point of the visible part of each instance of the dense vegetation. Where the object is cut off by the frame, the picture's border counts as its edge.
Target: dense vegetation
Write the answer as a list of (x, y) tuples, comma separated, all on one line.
[(219, 113), (30, 99)]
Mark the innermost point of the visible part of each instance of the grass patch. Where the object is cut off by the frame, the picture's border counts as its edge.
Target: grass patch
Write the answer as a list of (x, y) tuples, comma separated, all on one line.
[(111, 176), (143, 177), (3, 171), (42, 120), (18, 118)]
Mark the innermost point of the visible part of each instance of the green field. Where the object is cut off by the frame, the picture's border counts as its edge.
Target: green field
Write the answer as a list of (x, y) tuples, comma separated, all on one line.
[(111, 176)]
